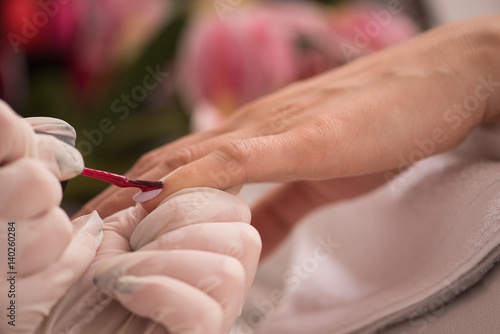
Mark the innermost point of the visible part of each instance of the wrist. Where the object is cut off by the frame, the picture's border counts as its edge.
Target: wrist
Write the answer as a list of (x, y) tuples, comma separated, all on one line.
[(482, 41)]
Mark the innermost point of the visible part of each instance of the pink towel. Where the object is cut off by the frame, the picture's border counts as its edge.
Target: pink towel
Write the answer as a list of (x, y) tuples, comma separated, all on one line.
[(412, 246)]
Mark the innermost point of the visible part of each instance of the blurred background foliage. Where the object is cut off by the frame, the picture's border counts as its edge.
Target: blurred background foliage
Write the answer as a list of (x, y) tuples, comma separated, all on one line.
[(85, 61)]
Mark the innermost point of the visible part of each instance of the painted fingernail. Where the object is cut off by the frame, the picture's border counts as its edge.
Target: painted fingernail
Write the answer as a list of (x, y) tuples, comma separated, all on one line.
[(145, 196)]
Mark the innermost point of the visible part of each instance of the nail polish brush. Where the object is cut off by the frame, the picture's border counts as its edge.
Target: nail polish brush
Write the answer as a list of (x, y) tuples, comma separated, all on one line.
[(121, 181)]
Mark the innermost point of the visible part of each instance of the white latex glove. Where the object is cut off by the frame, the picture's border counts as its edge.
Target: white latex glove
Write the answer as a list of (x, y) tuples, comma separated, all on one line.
[(41, 252), (196, 254), (184, 268)]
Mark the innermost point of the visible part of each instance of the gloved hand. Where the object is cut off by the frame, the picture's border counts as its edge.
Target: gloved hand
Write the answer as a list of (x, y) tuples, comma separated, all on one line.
[(185, 276), (39, 245), (184, 268)]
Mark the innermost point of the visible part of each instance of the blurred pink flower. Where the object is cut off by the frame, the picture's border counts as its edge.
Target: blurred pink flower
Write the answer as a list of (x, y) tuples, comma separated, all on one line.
[(95, 36), (40, 27), (253, 51), (113, 33), (370, 27)]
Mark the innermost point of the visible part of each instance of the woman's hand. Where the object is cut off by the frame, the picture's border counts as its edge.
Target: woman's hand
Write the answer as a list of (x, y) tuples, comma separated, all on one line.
[(382, 112)]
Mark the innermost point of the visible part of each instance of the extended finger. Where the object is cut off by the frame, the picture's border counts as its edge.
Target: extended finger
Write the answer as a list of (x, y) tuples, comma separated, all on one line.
[(266, 158), (153, 166), (159, 155)]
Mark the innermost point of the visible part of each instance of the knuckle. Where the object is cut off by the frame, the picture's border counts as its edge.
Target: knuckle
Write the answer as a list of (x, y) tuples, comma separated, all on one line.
[(169, 165), (147, 158), (184, 156), (324, 139), (239, 151)]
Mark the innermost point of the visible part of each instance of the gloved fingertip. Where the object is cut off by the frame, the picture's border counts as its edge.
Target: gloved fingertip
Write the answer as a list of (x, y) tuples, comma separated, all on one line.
[(62, 159), (127, 284), (106, 279), (91, 223), (53, 126)]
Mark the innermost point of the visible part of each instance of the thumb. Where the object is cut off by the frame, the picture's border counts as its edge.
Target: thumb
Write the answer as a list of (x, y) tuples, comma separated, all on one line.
[(276, 214), (270, 158)]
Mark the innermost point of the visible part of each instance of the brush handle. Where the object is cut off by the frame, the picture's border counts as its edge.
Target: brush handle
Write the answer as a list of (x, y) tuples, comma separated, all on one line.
[(117, 180), (120, 180)]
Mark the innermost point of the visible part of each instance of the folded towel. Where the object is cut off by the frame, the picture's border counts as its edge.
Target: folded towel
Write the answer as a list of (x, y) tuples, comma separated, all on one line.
[(411, 247), (475, 311)]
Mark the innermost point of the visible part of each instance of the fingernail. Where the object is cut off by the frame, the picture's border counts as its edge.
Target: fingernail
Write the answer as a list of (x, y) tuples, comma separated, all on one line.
[(144, 196), (126, 285)]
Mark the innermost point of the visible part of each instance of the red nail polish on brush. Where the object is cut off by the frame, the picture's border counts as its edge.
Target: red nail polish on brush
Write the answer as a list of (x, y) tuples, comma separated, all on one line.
[(121, 181)]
